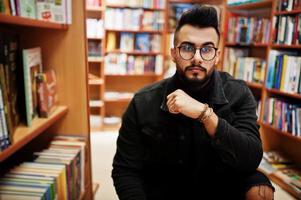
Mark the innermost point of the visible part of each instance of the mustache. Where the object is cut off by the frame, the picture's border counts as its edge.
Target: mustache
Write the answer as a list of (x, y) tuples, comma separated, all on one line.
[(190, 67)]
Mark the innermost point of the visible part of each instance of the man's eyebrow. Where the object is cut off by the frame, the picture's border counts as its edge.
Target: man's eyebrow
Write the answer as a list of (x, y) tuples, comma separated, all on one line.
[(208, 43)]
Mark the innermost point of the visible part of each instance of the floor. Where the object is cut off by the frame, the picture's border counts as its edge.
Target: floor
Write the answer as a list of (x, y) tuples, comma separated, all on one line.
[(103, 150)]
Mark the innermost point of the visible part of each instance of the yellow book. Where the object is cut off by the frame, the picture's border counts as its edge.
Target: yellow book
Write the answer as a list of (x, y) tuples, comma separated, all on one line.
[(111, 41)]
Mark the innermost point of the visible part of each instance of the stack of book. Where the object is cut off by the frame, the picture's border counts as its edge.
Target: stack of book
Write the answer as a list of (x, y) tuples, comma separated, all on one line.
[(57, 172)]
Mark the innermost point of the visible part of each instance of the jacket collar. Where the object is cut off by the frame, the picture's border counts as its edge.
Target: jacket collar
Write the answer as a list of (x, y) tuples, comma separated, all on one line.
[(217, 96)]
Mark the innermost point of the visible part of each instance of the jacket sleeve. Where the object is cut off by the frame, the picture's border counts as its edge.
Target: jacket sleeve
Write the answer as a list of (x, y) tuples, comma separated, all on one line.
[(238, 144), (127, 162)]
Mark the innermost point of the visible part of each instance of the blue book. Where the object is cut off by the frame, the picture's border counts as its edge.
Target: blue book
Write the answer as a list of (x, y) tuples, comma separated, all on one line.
[(142, 42)]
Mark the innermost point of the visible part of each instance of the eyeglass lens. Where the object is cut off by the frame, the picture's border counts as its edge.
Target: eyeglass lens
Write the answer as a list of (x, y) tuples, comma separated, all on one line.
[(187, 52)]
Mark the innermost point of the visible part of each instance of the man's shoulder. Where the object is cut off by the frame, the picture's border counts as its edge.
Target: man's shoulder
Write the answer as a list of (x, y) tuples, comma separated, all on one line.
[(230, 81)]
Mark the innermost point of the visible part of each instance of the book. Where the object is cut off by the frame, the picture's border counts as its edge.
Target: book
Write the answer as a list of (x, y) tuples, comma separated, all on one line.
[(45, 10), (47, 93), (126, 42), (32, 66), (26, 8), (142, 42)]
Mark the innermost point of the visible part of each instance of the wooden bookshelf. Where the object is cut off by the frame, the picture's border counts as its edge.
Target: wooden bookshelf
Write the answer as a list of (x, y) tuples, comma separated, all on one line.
[(129, 82), (96, 66), (63, 49), (25, 134), (21, 21), (255, 85), (272, 137)]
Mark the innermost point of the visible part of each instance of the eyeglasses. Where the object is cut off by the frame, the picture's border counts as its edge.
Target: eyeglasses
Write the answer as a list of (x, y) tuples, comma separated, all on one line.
[(187, 52)]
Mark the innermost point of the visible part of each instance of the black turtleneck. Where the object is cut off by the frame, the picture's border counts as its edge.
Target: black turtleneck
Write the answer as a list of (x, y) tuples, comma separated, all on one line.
[(197, 90)]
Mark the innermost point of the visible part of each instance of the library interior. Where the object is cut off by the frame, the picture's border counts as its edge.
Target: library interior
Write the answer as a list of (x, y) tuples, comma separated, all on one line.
[(70, 69)]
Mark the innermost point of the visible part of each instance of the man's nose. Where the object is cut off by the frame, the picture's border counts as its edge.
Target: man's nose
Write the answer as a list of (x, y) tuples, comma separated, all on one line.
[(197, 58)]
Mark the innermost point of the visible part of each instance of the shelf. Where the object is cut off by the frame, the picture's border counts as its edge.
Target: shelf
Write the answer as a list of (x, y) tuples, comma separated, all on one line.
[(95, 59), (118, 100), (278, 92), (293, 12), (24, 134), (231, 44), (254, 85), (138, 53), (135, 31), (96, 103), (16, 20), (94, 38), (249, 6), (287, 134), (98, 81), (95, 9), (282, 46), (133, 7), (132, 75)]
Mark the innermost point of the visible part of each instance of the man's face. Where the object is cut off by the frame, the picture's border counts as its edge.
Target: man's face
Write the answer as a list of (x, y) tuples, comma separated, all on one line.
[(198, 68)]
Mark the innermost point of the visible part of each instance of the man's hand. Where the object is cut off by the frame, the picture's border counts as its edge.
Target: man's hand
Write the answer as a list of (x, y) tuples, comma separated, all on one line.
[(180, 102)]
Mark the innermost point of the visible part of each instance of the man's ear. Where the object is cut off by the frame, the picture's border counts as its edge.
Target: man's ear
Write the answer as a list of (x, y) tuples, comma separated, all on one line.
[(173, 54), (217, 57)]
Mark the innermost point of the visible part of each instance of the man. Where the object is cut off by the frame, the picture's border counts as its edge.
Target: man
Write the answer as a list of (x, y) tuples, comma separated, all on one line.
[(194, 135)]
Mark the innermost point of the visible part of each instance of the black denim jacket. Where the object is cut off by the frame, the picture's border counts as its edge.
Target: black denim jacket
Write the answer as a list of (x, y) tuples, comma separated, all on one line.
[(159, 153)]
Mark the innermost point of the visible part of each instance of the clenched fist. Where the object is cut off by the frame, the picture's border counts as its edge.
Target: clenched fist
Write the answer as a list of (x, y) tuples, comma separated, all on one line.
[(180, 102)]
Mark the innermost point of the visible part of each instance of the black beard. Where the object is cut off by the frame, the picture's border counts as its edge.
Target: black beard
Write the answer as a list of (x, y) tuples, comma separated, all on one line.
[(194, 84)]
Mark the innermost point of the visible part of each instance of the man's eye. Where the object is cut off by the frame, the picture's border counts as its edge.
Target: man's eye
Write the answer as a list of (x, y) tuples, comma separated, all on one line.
[(206, 49), (188, 48)]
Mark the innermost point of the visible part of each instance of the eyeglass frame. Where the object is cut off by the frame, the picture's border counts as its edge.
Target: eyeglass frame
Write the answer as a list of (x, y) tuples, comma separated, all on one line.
[(195, 49)]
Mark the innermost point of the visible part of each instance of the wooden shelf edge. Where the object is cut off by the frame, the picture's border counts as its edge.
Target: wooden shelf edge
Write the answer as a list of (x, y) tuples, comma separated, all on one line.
[(132, 75), (246, 45), (95, 8), (133, 7), (16, 20), (255, 85), (281, 46), (292, 12), (252, 5), (135, 31), (278, 92), (279, 131), (24, 134)]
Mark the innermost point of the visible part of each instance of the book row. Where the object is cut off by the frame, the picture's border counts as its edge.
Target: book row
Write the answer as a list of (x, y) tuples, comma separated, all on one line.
[(57, 172), (94, 49), (95, 28), (288, 5), (287, 30), (26, 91), (239, 65), (138, 3), (52, 11), (284, 71), (142, 42), (283, 115), (248, 30), (93, 3), (124, 64), (133, 19)]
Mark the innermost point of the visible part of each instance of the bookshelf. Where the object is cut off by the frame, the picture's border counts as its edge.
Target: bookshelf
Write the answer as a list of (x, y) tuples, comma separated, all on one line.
[(272, 90), (95, 41), (131, 29), (64, 50)]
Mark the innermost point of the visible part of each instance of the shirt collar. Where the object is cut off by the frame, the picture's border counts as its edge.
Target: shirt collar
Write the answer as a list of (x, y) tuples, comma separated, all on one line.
[(217, 96)]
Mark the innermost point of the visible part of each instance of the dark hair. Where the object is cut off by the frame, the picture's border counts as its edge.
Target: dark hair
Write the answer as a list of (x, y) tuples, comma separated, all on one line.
[(201, 16)]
